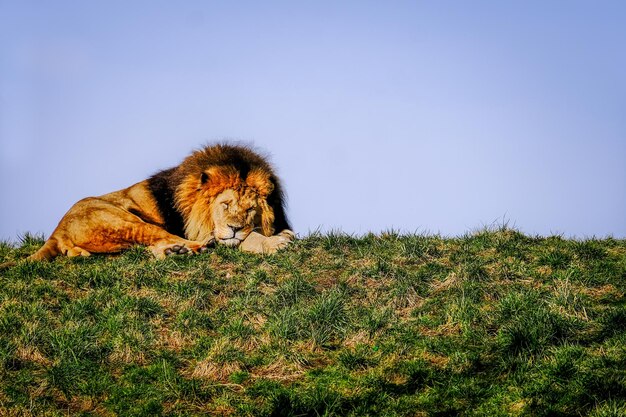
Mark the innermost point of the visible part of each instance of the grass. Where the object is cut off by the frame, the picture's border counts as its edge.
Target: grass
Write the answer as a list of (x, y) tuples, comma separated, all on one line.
[(492, 323)]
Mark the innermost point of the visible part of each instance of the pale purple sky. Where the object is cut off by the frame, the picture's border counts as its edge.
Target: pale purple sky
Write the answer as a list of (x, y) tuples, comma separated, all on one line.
[(439, 116)]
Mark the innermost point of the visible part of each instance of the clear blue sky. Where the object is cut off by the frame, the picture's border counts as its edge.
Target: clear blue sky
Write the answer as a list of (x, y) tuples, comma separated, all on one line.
[(435, 116)]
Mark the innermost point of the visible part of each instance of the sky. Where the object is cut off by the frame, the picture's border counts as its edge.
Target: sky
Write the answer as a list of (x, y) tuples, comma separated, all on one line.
[(417, 116)]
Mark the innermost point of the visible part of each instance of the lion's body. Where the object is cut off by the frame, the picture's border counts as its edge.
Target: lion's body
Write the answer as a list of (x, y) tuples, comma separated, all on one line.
[(220, 194)]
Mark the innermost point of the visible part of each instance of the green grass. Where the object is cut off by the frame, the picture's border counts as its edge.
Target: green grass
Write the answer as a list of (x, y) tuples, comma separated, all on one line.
[(492, 323)]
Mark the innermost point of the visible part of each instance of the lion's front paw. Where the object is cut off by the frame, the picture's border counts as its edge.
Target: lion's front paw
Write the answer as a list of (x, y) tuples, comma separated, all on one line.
[(176, 250), (257, 243), (163, 249), (279, 241)]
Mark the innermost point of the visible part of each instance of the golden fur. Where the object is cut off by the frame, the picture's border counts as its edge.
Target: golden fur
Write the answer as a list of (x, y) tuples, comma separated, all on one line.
[(220, 194)]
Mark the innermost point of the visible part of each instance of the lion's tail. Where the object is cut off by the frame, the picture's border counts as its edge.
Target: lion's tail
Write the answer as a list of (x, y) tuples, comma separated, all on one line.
[(9, 264), (49, 250)]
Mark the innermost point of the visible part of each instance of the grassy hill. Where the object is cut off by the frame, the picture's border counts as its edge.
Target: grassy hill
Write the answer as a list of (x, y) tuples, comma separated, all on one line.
[(492, 323)]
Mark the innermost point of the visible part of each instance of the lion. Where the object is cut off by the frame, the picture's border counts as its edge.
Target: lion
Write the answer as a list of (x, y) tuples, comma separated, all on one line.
[(221, 194)]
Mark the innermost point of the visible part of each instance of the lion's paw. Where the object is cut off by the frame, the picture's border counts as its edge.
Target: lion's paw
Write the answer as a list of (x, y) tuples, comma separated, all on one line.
[(278, 242), (186, 247), (176, 250), (257, 243)]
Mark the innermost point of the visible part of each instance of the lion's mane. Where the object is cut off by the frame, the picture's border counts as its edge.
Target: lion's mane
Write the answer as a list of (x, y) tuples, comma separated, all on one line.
[(217, 167)]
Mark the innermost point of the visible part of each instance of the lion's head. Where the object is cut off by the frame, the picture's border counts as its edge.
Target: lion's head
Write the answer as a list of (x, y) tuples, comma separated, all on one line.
[(225, 192)]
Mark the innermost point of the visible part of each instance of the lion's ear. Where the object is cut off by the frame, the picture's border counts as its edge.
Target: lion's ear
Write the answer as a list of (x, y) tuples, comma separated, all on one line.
[(267, 217)]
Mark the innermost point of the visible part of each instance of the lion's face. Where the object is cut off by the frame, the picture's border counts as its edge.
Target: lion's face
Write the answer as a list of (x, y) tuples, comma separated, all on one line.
[(234, 214), (218, 204)]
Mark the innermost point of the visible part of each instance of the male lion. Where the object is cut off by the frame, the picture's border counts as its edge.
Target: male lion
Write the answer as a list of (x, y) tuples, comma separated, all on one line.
[(220, 194)]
